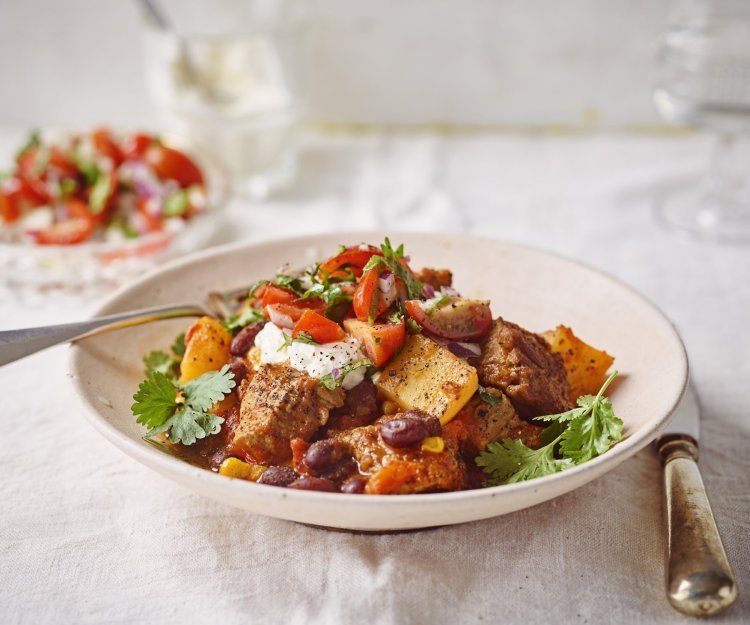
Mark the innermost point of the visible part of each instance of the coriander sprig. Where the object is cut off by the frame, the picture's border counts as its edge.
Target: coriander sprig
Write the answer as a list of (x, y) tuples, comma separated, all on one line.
[(164, 405), (574, 437)]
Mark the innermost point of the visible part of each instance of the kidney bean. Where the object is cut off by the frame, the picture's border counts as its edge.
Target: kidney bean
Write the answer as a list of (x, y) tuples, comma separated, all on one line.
[(322, 454), (314, 483), (238, 369), (404, 431), (433, 423), (245, 339), (354, 485), (278, 476)]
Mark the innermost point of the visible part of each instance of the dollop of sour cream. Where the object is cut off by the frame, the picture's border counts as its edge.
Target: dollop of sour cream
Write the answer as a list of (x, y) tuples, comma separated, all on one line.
[(315, 360)]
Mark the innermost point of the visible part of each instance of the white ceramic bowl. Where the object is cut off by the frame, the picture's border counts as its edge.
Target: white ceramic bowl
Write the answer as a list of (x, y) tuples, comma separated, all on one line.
[(531, 287)]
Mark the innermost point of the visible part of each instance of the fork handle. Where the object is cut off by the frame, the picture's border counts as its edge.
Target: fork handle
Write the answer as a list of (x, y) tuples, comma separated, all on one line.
[(15, 344), (699, 579)]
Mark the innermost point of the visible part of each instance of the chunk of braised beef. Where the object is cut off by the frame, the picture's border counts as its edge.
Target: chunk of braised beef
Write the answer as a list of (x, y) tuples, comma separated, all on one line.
[(436, 278), (360, 407), (521, 365)]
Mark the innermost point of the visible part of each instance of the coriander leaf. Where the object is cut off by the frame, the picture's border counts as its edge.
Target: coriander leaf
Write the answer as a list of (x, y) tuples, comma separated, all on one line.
[(304, 337), (178, 347), (157, 360), (88, 168), (332, 383), (255, 286), (391, 259), (435, 303), (412, 327), (488, 398), (336, 299), (34, 140), (155, 401), (244, 318), (188, 425), (592, 434), (290, 282), (204, 391), (573, 437), (511, 461)]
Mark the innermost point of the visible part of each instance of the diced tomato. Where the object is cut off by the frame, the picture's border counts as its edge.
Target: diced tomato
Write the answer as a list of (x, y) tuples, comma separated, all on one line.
[(368, 303), (456, 319), (105, 143), (27, 161), (171, 164), (33, 192), (283, 315), (78, 209), (69, 232), (60, 161), (29, 165), (9, 208), (381, 340), (320, 328), (273, 294), (135, 146), (354, 258)]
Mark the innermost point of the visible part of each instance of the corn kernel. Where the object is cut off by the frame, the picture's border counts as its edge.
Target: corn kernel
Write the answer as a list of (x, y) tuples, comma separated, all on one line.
[(234, 467), (434, 444)]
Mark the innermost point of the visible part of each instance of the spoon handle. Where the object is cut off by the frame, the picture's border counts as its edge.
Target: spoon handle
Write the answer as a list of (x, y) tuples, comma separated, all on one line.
[(15, 344)]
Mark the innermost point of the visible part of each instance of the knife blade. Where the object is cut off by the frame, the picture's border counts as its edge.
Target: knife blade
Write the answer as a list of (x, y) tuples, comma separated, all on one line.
[(699, 579)]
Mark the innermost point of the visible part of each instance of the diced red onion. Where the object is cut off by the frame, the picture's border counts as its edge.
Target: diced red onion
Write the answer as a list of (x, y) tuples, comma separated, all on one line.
[(335, 372), (464, 350), (279, 319), (428, 291), (387, 286)]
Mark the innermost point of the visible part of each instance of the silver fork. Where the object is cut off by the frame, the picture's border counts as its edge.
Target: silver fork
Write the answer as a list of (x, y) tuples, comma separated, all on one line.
[(16, 344)]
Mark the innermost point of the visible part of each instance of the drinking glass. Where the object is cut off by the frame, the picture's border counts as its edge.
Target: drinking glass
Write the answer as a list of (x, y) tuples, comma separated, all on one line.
[(703, 80), (224, 74)]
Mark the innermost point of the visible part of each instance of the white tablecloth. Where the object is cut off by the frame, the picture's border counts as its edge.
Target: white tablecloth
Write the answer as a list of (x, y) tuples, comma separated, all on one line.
[(90, 536)]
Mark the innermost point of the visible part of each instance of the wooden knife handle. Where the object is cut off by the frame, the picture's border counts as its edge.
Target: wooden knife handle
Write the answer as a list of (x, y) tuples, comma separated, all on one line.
[(699, 579)]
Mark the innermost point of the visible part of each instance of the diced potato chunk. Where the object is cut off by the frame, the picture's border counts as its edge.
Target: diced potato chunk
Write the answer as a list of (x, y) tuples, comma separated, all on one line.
[(206, 348), (427, 376), (586, 366)]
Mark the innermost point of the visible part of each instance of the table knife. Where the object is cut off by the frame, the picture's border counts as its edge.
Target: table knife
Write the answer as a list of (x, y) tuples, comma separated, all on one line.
[(699, 579)]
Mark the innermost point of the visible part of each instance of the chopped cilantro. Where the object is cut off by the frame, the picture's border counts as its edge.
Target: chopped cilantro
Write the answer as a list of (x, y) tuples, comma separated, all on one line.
[(392, 260), (290, 282), (164, 406), (34, 140), (255, 286), (244, 318), (332, 383), (159, 361), (579, 434), (178, 347), (487, 397), (304, 337)]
